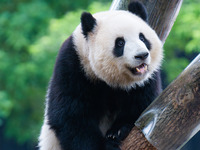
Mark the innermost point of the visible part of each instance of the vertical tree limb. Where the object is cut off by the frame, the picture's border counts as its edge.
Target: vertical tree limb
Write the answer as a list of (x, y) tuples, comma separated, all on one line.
[(162, 13)]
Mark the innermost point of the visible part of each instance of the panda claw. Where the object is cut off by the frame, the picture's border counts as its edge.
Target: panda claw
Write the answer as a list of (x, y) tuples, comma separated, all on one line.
[(118, 133)]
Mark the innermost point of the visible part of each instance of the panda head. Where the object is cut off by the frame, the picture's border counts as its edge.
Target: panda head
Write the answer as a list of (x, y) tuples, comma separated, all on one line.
[(118, 47)]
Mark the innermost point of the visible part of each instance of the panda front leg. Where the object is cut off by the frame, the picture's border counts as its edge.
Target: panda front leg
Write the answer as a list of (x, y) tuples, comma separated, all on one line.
[(78, 134), (121, 128), (118, 134)]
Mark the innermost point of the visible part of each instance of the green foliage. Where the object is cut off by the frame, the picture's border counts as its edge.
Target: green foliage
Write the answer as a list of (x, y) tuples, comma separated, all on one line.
[(69, 5), (22, 86), (183, 40), (6, 105), (26, 24), (59, 7)]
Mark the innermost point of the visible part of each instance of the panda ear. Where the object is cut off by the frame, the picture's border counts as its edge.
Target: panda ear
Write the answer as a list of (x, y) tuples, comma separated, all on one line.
[(138, 9), (88, 23)]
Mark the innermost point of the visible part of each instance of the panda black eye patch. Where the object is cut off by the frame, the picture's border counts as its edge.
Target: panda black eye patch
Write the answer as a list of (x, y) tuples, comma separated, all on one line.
[(119, 46), (145, 41)]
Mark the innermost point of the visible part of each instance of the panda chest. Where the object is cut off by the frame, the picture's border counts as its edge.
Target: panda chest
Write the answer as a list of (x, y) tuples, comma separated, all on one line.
[(106, 122)]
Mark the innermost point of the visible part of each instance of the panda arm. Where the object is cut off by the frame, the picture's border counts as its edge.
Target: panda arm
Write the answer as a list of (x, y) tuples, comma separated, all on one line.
[(141, 99), (76, 131), (75, 128)]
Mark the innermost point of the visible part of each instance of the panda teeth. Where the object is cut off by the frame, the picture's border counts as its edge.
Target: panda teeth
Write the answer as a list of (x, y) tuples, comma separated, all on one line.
[(145, 67), (138, 70), (141, 69)]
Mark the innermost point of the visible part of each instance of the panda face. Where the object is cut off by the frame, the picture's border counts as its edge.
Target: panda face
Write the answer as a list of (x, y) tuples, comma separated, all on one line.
[(121, 50)]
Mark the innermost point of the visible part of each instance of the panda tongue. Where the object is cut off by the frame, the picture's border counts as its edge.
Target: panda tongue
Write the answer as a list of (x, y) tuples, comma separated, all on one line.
[(142, 70)]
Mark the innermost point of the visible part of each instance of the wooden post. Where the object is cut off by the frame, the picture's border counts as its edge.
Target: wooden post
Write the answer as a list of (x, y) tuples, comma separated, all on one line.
[(136, 141), (173, 118)]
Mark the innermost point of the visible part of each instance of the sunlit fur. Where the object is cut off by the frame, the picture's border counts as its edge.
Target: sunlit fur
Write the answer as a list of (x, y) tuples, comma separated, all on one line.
[(96, 53), (48, 139)]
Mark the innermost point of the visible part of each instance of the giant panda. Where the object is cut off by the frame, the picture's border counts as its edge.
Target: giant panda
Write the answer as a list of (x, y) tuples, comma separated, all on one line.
[(106, 74)]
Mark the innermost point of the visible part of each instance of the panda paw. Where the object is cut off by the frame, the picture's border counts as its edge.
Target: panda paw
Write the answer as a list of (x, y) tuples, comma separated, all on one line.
[(114, 136), (118, 135)]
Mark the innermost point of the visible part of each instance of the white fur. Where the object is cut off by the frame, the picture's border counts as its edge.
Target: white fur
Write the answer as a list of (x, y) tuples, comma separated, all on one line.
[(96, 53), (47, 138)]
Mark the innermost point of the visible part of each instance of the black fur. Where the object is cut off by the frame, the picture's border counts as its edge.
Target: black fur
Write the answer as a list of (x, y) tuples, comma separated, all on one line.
[(88, 23), (119, 47), (76, 105), (138, 9), (146, 42)]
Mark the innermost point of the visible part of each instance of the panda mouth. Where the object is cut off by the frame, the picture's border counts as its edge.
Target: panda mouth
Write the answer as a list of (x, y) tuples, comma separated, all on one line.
[(139, 70)]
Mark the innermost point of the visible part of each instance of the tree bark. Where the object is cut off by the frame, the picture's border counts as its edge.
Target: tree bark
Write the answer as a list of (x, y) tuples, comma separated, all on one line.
[(136, 141)]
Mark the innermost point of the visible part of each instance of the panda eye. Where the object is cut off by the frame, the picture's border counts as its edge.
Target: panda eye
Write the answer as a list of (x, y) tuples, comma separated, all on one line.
[(120, 42), (119, 47), (145, 41), (142, 38)]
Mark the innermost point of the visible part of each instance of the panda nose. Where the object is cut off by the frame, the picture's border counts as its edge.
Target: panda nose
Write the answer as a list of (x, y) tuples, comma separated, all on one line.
[(142, 56)]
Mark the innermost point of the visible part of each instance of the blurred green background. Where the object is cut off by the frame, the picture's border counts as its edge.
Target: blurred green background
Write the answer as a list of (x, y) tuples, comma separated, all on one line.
[(31, 32)]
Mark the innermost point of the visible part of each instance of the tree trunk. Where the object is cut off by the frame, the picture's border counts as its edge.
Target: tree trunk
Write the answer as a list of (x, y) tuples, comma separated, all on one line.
[(162, 13)]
